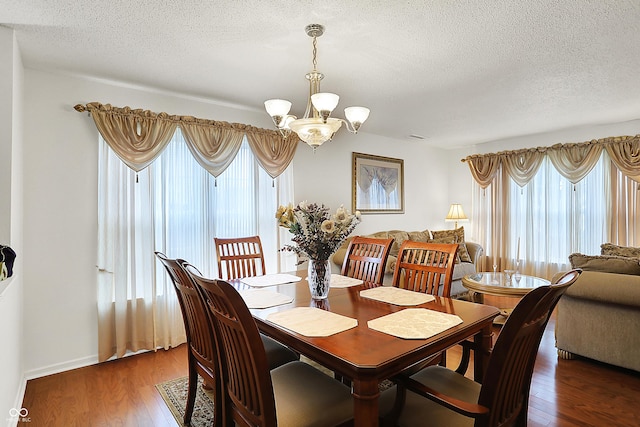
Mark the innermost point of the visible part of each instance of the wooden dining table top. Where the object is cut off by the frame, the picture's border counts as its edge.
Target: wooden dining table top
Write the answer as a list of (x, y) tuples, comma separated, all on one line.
[(365, 355)]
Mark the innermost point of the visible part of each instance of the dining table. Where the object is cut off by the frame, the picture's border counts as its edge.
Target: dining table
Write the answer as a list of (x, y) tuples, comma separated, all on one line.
[(358, 350)]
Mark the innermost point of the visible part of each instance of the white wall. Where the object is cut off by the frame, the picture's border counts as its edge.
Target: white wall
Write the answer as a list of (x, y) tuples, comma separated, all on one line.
[(6, 130), (326, 177), (60, 178), (11, 306), (563, 136)]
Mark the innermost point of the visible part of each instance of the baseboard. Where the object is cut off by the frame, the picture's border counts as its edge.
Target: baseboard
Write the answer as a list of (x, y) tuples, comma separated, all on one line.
[(74, 364), (13, 421), (61, 367)]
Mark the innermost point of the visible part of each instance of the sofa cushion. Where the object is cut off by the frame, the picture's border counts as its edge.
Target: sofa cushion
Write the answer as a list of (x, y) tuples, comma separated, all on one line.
[(605, 263), (448, 240), (458, 235), (462, 269), (592, 285), (624, 251)]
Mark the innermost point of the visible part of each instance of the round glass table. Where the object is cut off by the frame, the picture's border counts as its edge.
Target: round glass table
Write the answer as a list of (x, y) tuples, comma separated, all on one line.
[(497, 284)]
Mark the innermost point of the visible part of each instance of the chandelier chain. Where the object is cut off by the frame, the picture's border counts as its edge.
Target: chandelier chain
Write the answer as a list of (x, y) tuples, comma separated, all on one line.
[(315, 52)]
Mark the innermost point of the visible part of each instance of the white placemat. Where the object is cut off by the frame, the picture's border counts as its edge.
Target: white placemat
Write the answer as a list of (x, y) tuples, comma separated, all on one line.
[(264, 298), (396, 296), (339, 281), (270, 280), (414, 323), (312, 322)]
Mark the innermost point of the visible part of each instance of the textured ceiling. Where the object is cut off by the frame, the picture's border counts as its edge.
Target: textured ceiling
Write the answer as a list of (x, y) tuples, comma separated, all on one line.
[(456, 72)]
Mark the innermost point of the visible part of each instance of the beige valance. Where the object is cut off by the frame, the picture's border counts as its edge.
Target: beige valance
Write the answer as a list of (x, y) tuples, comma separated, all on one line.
[(139, 136), (573, 161)]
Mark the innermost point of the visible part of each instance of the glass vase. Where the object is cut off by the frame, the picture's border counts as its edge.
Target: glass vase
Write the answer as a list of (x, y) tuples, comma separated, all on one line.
[(319, 277)]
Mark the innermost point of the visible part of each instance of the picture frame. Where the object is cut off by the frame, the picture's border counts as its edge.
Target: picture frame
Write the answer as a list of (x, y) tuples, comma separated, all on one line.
[(377, 184)]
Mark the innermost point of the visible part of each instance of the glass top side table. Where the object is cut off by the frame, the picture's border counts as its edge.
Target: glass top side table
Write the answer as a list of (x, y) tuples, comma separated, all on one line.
[(497, 284)]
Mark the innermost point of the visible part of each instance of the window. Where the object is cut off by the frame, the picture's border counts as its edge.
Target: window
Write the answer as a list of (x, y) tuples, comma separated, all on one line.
[(544, 221), (176, 207), (555, 217)]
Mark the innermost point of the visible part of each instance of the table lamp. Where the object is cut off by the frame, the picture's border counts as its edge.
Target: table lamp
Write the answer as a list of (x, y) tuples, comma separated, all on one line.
[(456, 214)]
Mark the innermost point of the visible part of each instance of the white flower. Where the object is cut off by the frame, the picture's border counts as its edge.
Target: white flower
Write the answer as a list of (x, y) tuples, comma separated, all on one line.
[(328, 226), (303, 205), (358, 215), (341, 216)]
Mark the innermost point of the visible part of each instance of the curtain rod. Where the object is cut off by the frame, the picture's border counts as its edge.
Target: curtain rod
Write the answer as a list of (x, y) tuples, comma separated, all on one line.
[(602, 141)]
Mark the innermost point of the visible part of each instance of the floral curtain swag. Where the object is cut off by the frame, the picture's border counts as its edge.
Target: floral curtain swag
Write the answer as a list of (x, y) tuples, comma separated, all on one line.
[(139, 136), (574, 161)]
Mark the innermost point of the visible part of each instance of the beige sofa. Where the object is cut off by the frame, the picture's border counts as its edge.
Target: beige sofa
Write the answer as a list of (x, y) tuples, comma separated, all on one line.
[(461, 269), (599, 315)]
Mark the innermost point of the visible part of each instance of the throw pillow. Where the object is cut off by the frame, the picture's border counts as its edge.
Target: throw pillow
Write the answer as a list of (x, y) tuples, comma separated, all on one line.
[(420, 236), (448, 240), (458, 235), (398, 238), (605, 263), (624, 251)]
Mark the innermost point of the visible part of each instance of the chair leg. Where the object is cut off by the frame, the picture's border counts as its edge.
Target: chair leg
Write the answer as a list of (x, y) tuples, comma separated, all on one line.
[(191, 394), (443, 359), (466, 356)]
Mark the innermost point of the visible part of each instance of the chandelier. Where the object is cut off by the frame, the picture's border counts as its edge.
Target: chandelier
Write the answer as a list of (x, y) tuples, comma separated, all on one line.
[(316, 127)]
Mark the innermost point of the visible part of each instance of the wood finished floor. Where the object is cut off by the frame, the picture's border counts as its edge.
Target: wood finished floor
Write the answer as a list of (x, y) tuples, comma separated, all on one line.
[(122, 392)]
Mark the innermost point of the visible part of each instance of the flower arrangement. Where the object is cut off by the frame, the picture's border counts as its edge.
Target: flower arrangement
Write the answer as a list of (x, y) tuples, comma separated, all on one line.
[(317, 233)]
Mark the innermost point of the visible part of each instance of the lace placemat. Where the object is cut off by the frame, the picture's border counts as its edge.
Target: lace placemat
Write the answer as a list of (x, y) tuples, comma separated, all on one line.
[(264, 298), (396, 296), (270, 280), (312, 322), (414, 323), (340, 281)]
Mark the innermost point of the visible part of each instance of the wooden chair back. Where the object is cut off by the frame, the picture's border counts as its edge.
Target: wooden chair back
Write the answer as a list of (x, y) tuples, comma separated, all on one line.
[(247, 380), (239, 257), (507, 381), (425, 267), (203, 356), (366, 259)]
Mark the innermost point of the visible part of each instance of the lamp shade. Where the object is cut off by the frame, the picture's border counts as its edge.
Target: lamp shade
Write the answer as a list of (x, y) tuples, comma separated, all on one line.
[(455, 213), (325, 101), (356, 116), (277, 107)]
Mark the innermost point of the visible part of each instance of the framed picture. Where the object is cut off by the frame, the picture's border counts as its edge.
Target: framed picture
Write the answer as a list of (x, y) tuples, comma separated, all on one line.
[(378, 184)]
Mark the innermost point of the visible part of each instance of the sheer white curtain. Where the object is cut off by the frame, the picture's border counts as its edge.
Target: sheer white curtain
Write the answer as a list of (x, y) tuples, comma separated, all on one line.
[(546, 220), (176, 207)]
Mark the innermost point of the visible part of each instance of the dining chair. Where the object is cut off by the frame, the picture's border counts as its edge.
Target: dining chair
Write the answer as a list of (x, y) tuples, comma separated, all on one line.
[(428, 268), (292, 395), (366, 259), (203, 357), (239, 257), (425, 267), (448, 398), (202, 351)]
